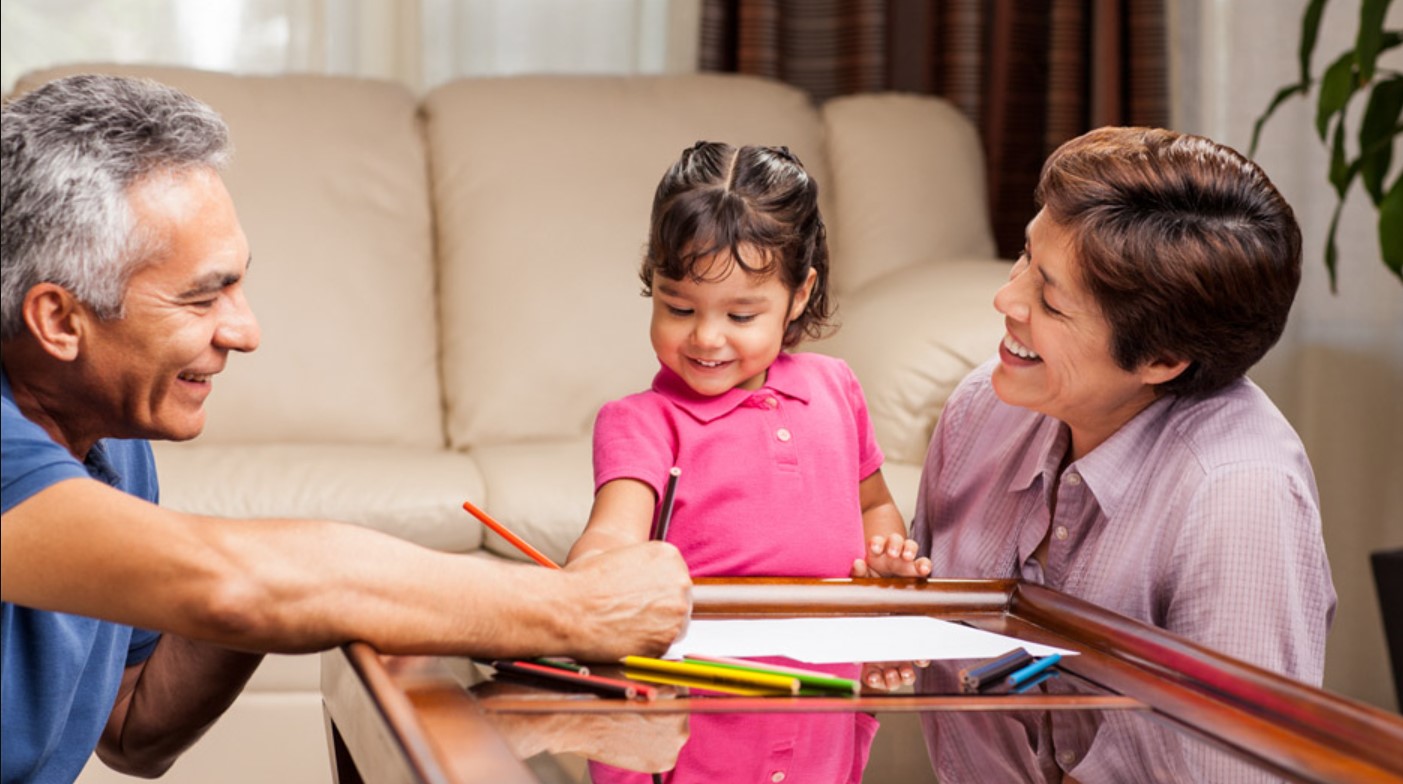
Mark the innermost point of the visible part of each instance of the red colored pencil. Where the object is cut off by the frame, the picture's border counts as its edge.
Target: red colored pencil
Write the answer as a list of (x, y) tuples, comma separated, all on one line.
[(505, 533), (608, 687)]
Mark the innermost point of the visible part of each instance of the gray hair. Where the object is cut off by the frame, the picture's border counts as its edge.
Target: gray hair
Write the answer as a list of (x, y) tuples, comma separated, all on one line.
[(69, 153)]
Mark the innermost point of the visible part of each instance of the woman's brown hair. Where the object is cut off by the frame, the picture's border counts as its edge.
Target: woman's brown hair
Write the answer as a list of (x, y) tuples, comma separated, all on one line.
[(1187, 247)]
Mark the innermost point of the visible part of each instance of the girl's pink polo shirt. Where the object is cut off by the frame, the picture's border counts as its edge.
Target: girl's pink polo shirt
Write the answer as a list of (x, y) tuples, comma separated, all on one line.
[(769, 486), (769, 482)]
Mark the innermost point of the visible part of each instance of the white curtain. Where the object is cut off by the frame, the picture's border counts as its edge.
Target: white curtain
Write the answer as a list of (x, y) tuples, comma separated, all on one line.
[(419, 42), (1338, 371)]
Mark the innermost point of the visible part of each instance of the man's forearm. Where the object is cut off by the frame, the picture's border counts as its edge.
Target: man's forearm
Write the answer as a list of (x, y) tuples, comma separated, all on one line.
[(168, 702)]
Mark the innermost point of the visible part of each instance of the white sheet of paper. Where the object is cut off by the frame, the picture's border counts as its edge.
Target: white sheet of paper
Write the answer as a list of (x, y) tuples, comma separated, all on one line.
[(831, 640)]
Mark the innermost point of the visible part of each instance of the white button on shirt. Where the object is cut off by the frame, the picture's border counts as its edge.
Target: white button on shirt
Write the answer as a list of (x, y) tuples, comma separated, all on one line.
[(777, 776), (783, 434), (1060, 532), (1073, 479)]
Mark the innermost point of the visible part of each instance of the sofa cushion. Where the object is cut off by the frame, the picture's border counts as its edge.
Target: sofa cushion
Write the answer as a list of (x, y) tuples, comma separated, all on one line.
[(410, 492), (907, 181), (542, 491), (910, 337), (543, 187), (331, 186)]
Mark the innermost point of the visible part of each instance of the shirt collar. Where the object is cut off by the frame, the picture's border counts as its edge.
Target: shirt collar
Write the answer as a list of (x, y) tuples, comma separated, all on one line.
[(1044, 453), (1108, 469), (784, 378)]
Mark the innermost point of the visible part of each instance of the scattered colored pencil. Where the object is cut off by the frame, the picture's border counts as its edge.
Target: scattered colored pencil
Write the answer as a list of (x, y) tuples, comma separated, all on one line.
[(605, 687), (506, 533), (807, 678), (701, 671)]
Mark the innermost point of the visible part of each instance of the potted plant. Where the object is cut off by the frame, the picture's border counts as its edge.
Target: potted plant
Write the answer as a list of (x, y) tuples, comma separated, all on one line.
[(1352, 73)]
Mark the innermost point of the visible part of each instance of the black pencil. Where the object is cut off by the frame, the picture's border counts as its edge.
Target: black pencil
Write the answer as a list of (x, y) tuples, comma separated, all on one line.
[(665, 514), (973, 679)]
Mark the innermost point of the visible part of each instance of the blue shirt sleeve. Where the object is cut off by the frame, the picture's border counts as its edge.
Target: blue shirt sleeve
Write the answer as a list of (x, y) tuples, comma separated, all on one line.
[(32, 460), (143, 644)]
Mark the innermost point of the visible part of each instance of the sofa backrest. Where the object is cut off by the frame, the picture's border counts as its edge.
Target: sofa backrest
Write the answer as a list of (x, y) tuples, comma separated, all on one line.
[(905, 184), (330, 182), (462, 269)]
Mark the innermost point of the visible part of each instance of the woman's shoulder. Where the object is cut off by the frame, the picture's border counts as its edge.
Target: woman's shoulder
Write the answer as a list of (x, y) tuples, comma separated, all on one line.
[(1237, 424)]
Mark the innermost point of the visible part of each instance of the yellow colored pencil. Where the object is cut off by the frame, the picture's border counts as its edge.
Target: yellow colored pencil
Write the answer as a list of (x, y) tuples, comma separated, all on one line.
[(734, 689), (705, 672)]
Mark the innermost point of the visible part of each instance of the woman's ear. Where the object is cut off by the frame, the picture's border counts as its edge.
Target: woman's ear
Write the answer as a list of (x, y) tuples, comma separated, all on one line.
[(55, 319), (802, 294), (1163, 369)]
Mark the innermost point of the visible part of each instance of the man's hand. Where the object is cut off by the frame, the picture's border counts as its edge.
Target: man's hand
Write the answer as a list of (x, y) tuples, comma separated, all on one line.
[(645, 742), (892, 555), (631, 600)]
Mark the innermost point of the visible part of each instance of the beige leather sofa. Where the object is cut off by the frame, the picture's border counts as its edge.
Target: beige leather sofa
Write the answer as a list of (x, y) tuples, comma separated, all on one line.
[(447, 292)]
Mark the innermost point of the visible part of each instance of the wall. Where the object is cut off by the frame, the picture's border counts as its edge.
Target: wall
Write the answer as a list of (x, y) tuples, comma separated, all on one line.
[(1338, 372)]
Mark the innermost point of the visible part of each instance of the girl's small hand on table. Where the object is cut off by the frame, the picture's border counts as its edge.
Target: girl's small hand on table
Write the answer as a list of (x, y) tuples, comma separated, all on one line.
[(889, 676), (891, 555)]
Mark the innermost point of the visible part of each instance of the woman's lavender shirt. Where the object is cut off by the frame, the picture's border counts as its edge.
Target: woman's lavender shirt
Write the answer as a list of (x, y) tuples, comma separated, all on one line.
[(1199, 516)]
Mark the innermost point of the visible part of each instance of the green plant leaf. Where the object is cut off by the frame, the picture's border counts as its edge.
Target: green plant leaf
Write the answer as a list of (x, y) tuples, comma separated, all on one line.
[(1336, 88), (1391, 227), (1376, 134), (1310, 29), (1369, 40), (1331, 252), (1342, 170), (1280, 98)]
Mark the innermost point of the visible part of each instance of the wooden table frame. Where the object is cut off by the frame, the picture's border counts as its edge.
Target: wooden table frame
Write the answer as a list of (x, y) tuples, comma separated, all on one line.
[(408, 719)]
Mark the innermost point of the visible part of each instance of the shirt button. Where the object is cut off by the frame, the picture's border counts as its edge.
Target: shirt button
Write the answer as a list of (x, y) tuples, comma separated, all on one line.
[(1066, 757), (777, 776), (771, 402), (783, 434), (1060, 532), (1073, 479)]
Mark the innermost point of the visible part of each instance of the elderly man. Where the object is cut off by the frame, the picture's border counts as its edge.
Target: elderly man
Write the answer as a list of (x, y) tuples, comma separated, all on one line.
[(123, 297)]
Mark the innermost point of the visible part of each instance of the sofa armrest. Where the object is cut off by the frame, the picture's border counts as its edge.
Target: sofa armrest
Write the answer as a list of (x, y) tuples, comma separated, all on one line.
[(911, 336)]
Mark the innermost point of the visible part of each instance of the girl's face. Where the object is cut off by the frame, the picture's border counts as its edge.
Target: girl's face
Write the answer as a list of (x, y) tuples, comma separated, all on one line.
[(722, 334)]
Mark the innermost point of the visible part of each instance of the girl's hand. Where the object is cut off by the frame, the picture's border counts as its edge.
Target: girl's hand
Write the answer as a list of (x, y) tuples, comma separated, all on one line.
[(892, 555), (889, 676)]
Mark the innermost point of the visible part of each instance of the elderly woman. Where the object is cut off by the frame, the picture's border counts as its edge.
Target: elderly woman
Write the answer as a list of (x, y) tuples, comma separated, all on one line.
[(1115, 451)]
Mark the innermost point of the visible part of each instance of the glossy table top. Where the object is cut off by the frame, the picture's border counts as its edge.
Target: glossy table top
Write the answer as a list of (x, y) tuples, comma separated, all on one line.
[(432, 719)]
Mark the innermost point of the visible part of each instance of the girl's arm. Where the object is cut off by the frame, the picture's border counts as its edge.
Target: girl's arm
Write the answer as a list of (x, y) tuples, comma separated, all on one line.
[(889, 552), (622, 515)]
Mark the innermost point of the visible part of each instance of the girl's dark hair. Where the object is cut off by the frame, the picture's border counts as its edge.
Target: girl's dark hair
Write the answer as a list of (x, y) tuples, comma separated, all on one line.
[(717, 198)]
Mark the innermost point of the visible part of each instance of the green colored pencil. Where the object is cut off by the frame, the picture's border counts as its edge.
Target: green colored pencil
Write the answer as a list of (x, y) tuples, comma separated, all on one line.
[(811, 678)]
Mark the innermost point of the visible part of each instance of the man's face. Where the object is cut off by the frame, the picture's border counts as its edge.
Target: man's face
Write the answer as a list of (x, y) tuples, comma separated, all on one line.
[(184, 311)]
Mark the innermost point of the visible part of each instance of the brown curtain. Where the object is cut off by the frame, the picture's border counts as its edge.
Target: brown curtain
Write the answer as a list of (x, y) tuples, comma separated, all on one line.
[(1029, 73)]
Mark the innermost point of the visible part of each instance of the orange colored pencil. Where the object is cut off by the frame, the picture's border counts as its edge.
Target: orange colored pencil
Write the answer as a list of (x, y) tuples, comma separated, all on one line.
[(505, 533)]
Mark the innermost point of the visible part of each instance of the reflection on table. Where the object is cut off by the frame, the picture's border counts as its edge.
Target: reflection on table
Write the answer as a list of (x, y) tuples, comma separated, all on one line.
[(1135, 704)]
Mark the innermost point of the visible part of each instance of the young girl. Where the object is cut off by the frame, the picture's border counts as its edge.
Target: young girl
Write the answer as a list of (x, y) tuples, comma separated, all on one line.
[(780, 470)]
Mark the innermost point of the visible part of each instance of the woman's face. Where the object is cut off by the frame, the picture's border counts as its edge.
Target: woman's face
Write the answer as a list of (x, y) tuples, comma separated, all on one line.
[(1056, 355)]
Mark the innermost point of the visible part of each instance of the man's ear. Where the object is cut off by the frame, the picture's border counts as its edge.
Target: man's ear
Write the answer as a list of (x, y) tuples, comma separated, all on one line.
[(1158, 371), (55, 319)]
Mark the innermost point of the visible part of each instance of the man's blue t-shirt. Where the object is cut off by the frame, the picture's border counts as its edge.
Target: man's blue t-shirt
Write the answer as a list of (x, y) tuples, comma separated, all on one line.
[(60, 672)]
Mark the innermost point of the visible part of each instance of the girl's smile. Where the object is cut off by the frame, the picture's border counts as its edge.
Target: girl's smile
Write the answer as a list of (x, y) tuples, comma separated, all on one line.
[(721, 333)]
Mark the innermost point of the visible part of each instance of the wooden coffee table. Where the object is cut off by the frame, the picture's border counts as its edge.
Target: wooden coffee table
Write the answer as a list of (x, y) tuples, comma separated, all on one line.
[(415, 719)]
